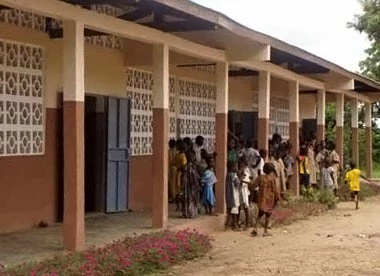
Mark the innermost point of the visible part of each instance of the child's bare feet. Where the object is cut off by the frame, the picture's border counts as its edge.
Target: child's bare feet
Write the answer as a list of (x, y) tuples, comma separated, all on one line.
[(254, 232), (267, 234)]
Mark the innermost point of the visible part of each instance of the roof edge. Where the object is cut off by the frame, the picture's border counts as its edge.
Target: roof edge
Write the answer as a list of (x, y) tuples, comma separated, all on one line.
[(230, 24)]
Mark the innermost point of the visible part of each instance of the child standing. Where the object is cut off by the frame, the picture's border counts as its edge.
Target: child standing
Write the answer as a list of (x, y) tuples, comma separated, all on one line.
[(246, 179), (311, 163), (352, 177), (335, 159), (180, 164), (303, 168), (190, 187), (208, 181), (327, 175), (319, 160), (268, 196), (289, 164), (263, 158), (232, 195), (280, 171), (232, 154), (172, 169)]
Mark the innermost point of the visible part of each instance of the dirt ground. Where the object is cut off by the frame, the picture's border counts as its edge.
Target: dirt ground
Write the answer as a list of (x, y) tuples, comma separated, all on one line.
[(340, 242)]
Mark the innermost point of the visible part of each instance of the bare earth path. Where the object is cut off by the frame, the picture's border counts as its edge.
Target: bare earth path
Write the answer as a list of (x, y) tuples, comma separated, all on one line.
[(341, 242)]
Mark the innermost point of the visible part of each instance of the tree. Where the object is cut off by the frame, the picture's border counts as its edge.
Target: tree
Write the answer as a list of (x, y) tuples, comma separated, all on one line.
[(369, 23)]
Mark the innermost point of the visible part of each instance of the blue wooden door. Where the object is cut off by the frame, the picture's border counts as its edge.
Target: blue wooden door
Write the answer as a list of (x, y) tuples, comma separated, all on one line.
[(118, 155)]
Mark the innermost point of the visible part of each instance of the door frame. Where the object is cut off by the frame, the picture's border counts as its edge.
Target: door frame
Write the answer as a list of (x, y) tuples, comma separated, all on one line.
[(106, 157)]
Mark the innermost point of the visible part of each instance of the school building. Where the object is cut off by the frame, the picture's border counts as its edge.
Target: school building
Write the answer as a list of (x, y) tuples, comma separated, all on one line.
[(92, 90)]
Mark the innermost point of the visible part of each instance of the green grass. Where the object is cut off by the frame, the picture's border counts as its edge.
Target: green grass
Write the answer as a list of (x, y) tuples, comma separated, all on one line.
[(376, 171)]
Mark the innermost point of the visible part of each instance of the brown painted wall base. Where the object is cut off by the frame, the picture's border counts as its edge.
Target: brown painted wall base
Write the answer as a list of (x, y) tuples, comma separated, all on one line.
[(160, 168), (294, 141), (29, 184), (320, 132), (221, 161), (355, 145), (339, 144), (140, 187), (368, 146), (263, 133), (73, 214)]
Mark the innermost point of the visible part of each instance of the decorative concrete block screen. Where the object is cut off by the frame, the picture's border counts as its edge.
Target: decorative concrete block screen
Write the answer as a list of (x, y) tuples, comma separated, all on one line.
[(139, 89), (23, 19), (39, 23), (197, 103), (107, 41), (279, 116), (21, 99), (191, 107)]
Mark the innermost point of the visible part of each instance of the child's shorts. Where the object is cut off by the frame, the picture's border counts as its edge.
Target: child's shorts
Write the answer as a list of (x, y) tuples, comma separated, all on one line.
[(305, 180), (235, 210), (262, 213), (354, 193)]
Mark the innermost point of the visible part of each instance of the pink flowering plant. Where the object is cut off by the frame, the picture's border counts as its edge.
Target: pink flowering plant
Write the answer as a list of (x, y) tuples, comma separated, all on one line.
[(140, 255)]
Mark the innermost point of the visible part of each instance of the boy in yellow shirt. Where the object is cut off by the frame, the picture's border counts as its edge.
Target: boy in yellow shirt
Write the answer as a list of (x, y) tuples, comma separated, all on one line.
[(352, 177)]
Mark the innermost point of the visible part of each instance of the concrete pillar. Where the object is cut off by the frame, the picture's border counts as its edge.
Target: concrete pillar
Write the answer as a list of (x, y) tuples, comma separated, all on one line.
[(73, 130), (339, 127), (355, 132), (368, 140), (160, 135), (294, 132), (264, 109), (321, 114), (221, 134)]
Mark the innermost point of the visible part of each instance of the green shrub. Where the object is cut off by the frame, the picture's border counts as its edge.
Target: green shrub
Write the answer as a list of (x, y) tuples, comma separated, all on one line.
[(327, 197), (323, 196)]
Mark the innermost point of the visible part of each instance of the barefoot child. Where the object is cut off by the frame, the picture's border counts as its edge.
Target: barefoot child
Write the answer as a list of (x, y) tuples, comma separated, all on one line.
[(327, 175), (208, 181), (352, 178), (172, 170), (246, 179), (232, 195), (180, 164), (303, 168), (268, 196)]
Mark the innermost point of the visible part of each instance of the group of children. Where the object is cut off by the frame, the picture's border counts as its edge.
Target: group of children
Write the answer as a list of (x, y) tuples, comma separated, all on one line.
[(191, 177), (255, 178), (261, 178), (243, 190)]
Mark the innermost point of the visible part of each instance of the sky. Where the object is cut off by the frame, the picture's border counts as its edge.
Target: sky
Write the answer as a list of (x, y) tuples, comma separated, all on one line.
[(318, 26)]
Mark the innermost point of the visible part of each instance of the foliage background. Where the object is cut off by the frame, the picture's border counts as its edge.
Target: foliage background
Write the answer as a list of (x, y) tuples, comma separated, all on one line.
[(331, 134), (368, 23)]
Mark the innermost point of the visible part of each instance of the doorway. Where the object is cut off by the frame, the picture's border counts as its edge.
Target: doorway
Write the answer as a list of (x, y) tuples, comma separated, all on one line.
[(95, 152), (107, 154), (243, 124)]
